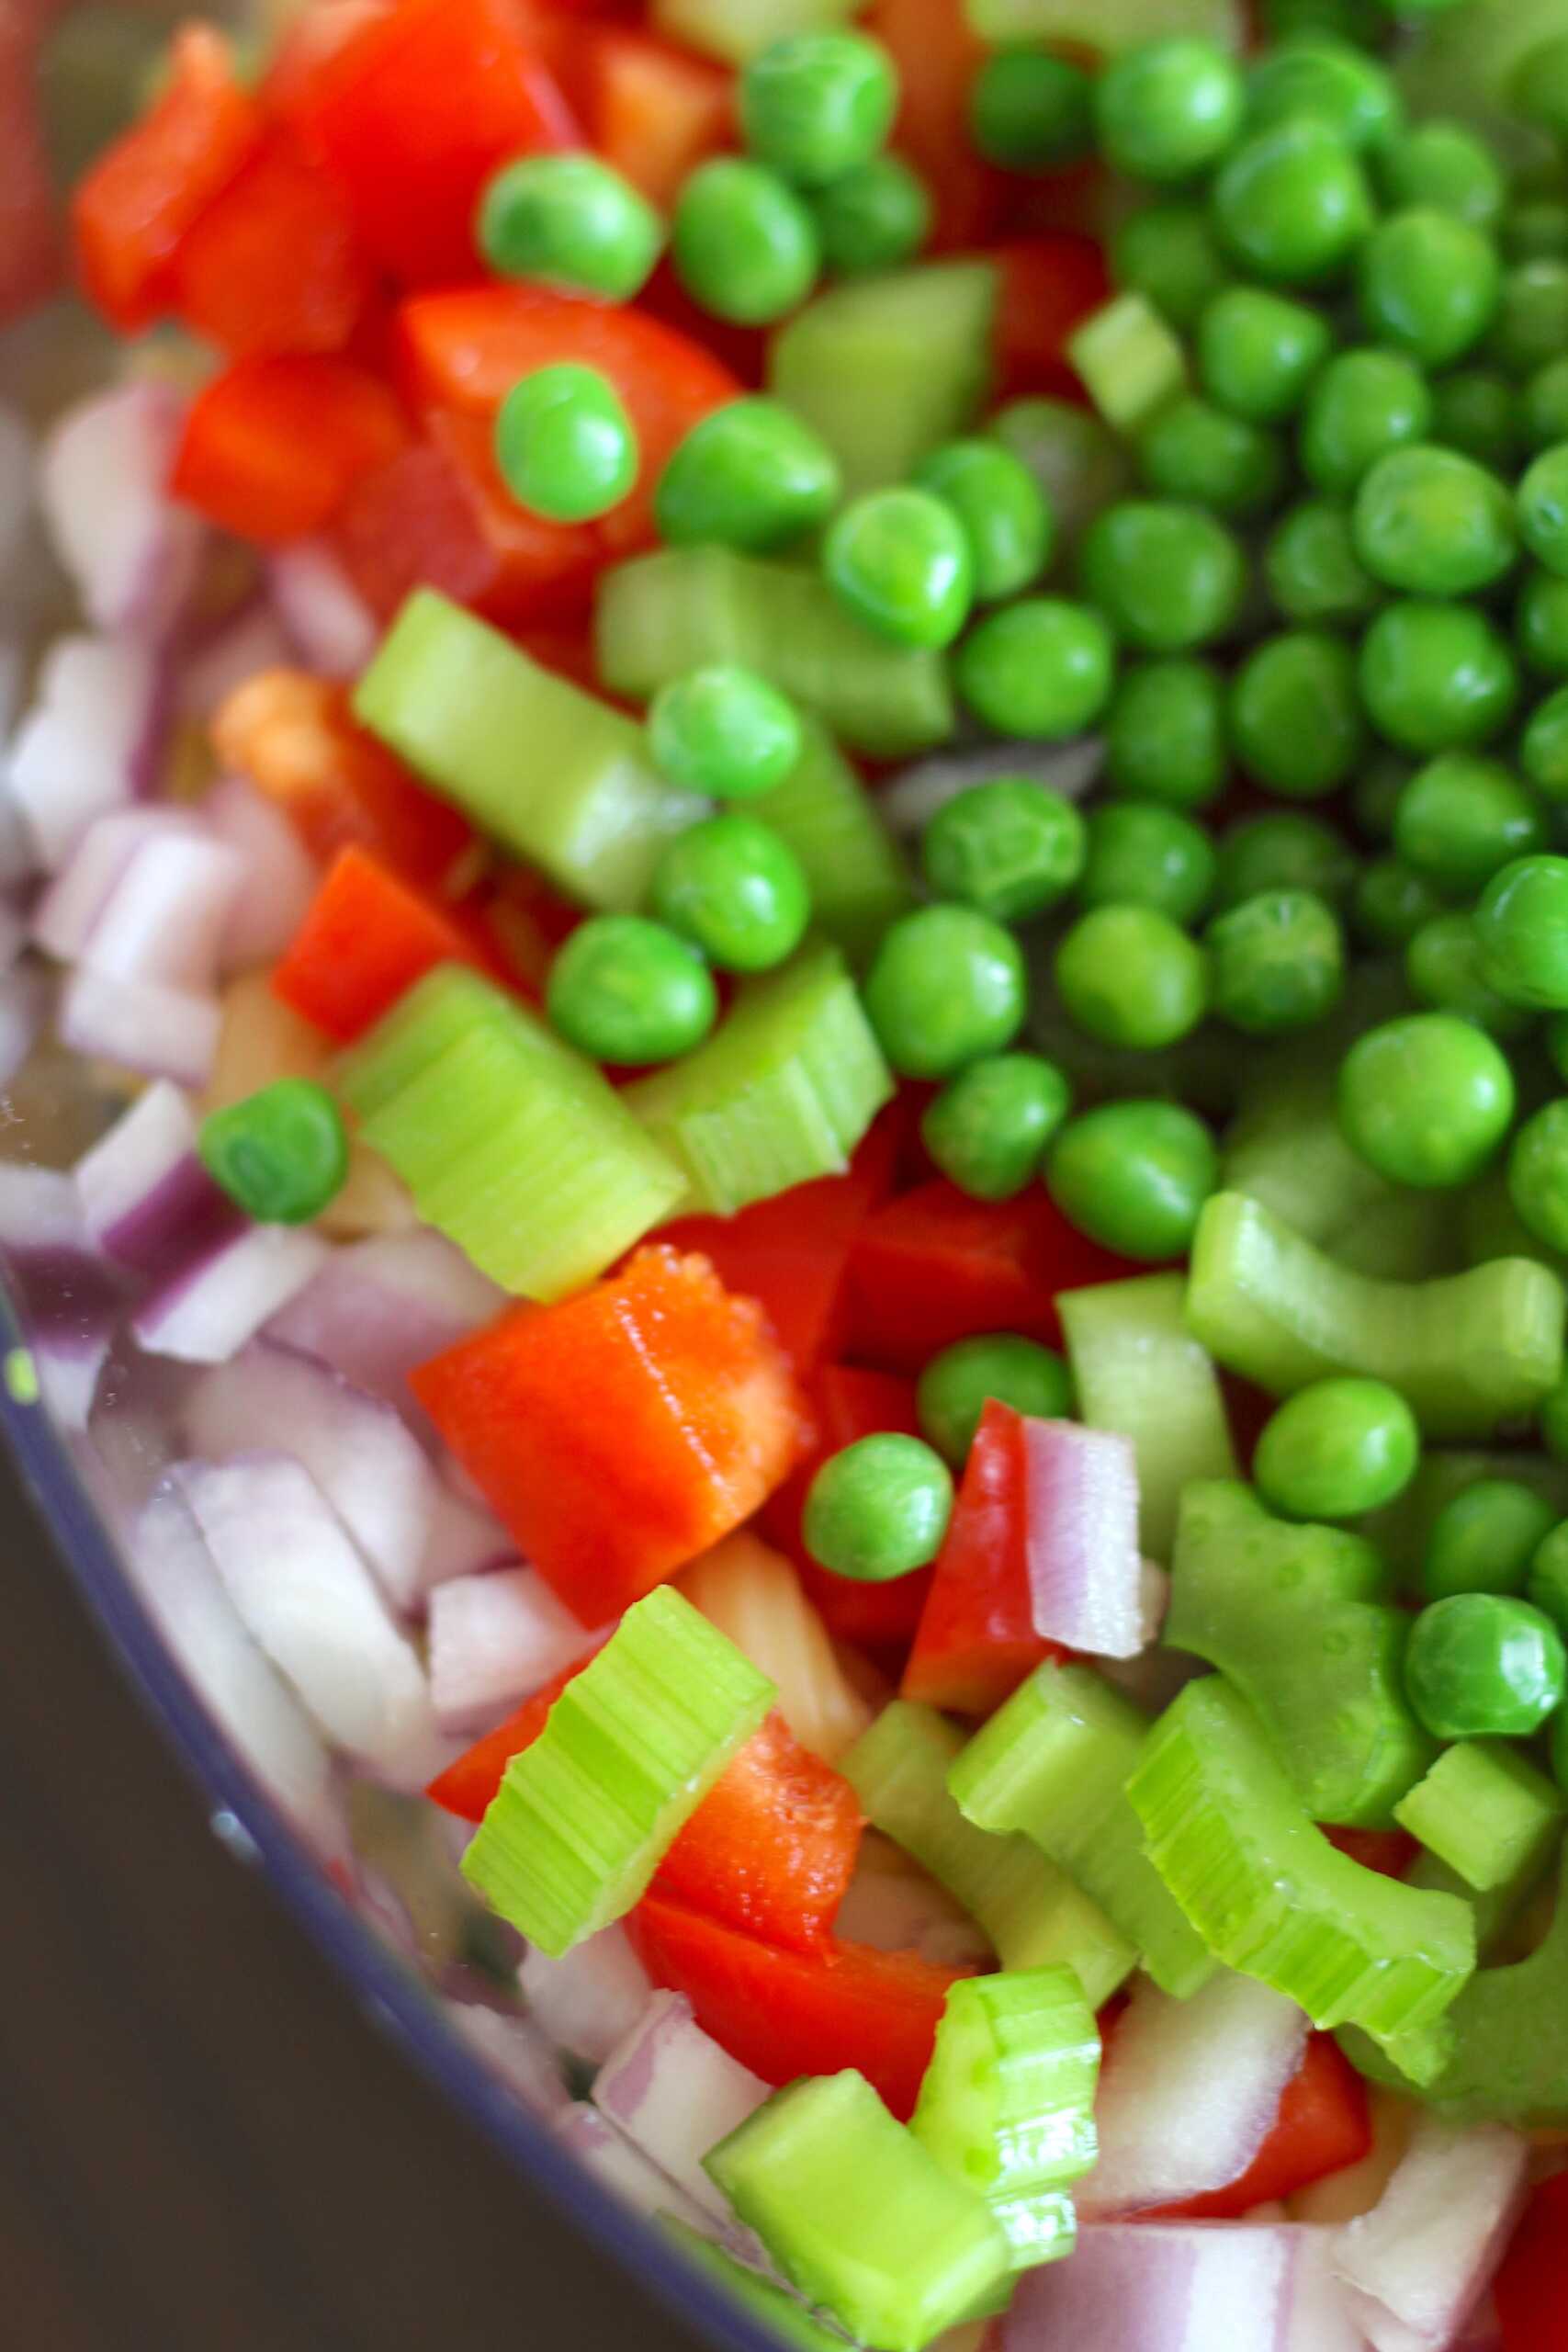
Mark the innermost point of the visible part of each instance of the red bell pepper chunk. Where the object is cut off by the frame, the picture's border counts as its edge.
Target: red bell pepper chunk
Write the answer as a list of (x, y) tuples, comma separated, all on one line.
[(1531, 2288), (274, 265), (469, 1782), (976, 1640), (31, 246), (1390, 1851), (786, 2013), (654, 112), (938, 56), (620, 1432), (413, 111), (1049, 284), (366, 937), (1323, 2125), (140, 198), (272, 446), (847, 1404)]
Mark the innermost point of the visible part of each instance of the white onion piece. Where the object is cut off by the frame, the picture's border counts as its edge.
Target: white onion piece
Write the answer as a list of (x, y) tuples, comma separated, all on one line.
[(1415, 2266), (308, 1598), (465, 1539), (510, 2049), (207, 1312), (1086, 1573), (382, 1305), (1159, 2287), (166, 915), (370, 1467), (330, 627), (912, 799), (589, 2001), (281, 875), (610, 2156), (147, 1201), (15, 481), (1321, 2318), (92, 740), (70, 910), (675, 2094), (1190, 2091), (242, 645), (142, 1025), (103, 476), (494, 1640)]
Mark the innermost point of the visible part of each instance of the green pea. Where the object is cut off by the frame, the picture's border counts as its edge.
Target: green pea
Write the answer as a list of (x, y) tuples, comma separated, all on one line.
[(1168, 578), (1164, 735), (815, 103), (1546, 1583), (1481, 1665), (1141, 853), (1374, 795), (1283, 850), (565, 444), (1530, 324), (1537, 1174), (1460, 818), (1543, 509), (281, 1154), (878, 1509), (1478, 413), (1029, 111), (956, 1386), (1042, 668), (1536, 229), (1436, 677), (1434, 524), (1002, 509), (1312, 572), (1006, 846), (1426, 1099), (1295, 715), (946, 986), (898, 559), (1446, 969), (1197, 452), (1336, 84), (1543, 749), (1134, 1176), (874, 217), (1131, 977), (751, 474), (1259, 352), (1541, 623), (1445, 167), (745, 245), (1292, 204), (989, 1127), (1168, 109), (1169, 252), (735, 889), (1362, 406), (572, 221), (1428, 283), (1485, 1539), (1392, 903), (1337, 1449), (1543, 406), (623, 990), (1276, 963), (1522, 923), (724, 732)]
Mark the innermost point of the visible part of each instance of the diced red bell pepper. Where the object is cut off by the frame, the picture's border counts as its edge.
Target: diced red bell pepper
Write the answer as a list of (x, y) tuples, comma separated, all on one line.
[(141, 197), (786, 2013), (367, 936), (1049, 284), (271, 447), (1390, 1852), (31, 245), (274, 265), (1531, 2288), (1323, 2125), (471, 1779), (937, 56), (413, 111), (621, 1433), (847, 1404), (976, 1640), (654, 112)]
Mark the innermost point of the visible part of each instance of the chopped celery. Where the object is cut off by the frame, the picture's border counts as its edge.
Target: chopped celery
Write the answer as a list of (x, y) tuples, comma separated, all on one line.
[(1403, 1529), (1495, 1907), (1030, 1909), (1103, 26), (547, 769), (663, 614), (781, 1093), (1296, 1617), (633, 1745), (1484, 1809), (859, 883), (513, 1146), (1287, 1151), (735, 29), (1138, 1369), (1131, 362), (887, 368), (858, 2216), (1007, 2105), (1055, 1762), (1467, 1350), (1234, 1844)]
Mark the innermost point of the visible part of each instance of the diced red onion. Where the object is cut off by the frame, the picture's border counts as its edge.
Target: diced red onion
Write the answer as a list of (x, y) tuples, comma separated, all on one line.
[(1190, 2092), (328, 623), (1086, 1573), (1483, 2330), (103, 476), (69, 1362), (92, 740), (166, 911), (207, 1312), (382, 1305), (369, 1466), (1321, 2318), (465, 1539), (610, 2156), (589, 2002), (142, 1025), (147, 1201), (308, 1600), (63, 1283), (512, 2048), (914, 796), (70, 910), (675, 2094), (280, 876), (24, 1006), (1159, 2287), (16, 479), (1418, 2265), (243, 644), (494, 1639)]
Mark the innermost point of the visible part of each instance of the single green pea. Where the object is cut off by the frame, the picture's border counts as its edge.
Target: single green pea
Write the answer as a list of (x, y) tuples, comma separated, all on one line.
[(898, 559), (1002, 508), (1482, 1666), (1543, 750), (1134, 1176), (1276, 963), (1436, 677), (1169, 252), (1363, 404), (1530, 323), (1335, 1449), (1428, 283), (957, 1385), (1198, 453), (1543, 406), (1168, 578), (281, 1154), (874, 217), (724, 732), (1141, 853), (1546, 1583), (751, 474), (1165, 734), (1259, 352), (1541, 623), (1374, 795), (1537, 1174), (1042, 668), (623, 990), (1295, 715), (1478, 412), (1485, 1539), (1131, 977), (1284, 849), (1028, 111), (1392, 903), (1444, 968), (1312, 570), (1460, 818), (878, 1509), (734, 887), (1291, 203), (1007, 846), (1445, 167), (744, 243), (572, 221), (1426, 1099), (1536, 229), (566, 448), (945, 987), (1167, 109), (815, 103), (989, 1127), (1340, 86), (1522, 923), (1433, 523), (1543, 509)]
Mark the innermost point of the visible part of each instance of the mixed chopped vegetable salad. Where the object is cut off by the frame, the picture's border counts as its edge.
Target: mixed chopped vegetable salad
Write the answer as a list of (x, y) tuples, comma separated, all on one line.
[(804, 851)]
